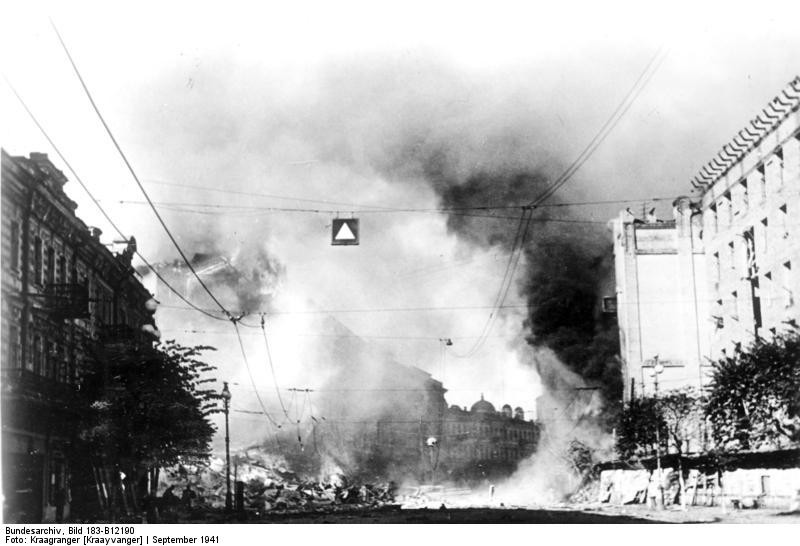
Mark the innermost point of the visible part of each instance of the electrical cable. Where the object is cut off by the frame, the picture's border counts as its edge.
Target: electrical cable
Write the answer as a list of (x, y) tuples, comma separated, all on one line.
[(252, 381), (135, 177), (272, 370), (506, 278), (606, 129), (376, 209), (100, 207), (598, 139)]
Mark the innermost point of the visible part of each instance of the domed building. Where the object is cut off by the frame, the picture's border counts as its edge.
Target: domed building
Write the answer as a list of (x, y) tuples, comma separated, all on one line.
[(482, 407), (482, 443)]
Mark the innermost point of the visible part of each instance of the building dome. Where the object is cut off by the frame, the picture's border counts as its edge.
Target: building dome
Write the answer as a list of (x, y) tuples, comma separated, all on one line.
[(506, 411), (482, 406)]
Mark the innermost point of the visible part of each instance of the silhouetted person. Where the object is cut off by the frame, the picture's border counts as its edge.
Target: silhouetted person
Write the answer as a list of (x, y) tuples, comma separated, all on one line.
[(61, 500)]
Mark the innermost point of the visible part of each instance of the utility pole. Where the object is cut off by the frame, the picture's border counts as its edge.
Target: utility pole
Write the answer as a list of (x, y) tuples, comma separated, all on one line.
[(226, 399), (658, 368)]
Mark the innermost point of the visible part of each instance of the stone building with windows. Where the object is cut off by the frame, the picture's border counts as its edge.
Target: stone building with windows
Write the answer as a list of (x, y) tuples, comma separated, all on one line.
[(723, 271), (67, 300), (750, 205), (482, 443)]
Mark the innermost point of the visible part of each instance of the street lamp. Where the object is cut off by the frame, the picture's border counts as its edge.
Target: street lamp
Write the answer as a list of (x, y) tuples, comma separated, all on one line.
[(226, 400), (433, 445), (658, 368)]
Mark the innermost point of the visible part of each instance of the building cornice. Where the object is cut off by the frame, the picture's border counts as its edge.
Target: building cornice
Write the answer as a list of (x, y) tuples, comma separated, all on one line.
[(786, 102)]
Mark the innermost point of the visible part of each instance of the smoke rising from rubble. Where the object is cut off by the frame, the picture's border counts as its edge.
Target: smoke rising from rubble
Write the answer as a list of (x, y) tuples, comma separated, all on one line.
[(406, 133)]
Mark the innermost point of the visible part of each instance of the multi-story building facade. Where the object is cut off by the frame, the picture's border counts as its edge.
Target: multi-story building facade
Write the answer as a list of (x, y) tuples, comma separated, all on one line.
[(484, 443), (724, 271), (662, 307), (750, 205), (66, 301)]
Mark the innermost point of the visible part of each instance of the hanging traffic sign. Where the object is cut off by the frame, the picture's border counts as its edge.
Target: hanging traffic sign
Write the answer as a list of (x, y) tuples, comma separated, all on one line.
[(345, 231)]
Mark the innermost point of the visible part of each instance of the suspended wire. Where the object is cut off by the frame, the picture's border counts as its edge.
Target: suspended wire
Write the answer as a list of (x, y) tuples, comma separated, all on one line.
[(377, 209), (226, 191), (252, 381), (506, 278), (493, 316), (368, 310), (232, 319), (135, 177), (606, 129), (598, 139), (192, 206), (272, 370), (258, 211), (336, 336), (100, 207)]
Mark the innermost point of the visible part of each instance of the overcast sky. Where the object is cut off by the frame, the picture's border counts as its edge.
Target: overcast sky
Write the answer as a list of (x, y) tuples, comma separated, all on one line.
[(323, 101)]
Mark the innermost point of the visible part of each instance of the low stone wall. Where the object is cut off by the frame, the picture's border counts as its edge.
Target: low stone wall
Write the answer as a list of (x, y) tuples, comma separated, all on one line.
[(741, 488)]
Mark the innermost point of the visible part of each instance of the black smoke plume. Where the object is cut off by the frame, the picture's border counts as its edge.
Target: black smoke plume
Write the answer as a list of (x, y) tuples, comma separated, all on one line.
[(569, 269)]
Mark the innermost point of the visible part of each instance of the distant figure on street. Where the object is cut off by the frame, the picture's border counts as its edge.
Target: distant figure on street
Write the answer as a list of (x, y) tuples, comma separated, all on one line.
[(61, 500), (187, 497), (491, 492)]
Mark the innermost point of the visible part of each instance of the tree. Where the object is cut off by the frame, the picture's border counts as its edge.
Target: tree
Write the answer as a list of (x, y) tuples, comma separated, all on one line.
[(147, 409), (636, 430), (754, 396), (682, 411)]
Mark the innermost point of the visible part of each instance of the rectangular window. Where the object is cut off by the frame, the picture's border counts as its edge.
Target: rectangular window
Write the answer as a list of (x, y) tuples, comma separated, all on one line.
[(788, 293), (783, 220), (717, 271), (63, 365), (50, 266), (745, 196), (51, 361), (14, 246), (713, 225), (718, 317), (37, 260), (62, 269), (766, 289), (38, 350), (732, 255), (13, 346), (762, 181), (735, 305), (779, 170), (727, 207)]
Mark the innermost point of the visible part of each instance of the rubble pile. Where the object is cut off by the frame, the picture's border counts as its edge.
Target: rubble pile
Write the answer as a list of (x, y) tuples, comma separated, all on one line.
[(268, 485)]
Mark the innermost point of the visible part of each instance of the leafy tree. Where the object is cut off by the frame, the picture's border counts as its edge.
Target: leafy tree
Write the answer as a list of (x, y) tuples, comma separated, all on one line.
[(682, 411), (147, 409), (754, 396), (636, 430)]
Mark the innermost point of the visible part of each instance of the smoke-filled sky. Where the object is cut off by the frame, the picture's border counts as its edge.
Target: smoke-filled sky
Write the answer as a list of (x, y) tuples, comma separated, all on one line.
[(348, 105)]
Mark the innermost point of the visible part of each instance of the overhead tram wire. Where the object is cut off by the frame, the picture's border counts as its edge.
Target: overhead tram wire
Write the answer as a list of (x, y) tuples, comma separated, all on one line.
[(608, 126), (493, 317), (96, 202), (381, 209), (121, 234), (136, 178), (272, 369), (219, 304), (506, 278), (194, 208), (252, 380), (631, 96)]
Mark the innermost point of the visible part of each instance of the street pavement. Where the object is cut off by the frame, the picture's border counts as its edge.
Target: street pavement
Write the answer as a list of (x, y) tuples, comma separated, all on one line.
[(595, 514)]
